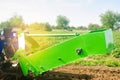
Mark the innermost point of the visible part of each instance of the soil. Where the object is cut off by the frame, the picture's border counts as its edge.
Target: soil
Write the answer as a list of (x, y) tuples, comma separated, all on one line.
[(72, 72), (77, 72)]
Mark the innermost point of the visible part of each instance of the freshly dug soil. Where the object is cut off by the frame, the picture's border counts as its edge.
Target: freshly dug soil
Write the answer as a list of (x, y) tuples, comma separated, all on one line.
[(77, 72), (69, 72)]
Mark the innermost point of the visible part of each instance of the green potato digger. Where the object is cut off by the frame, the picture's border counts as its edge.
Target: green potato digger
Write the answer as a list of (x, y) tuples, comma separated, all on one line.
[(98, 42)]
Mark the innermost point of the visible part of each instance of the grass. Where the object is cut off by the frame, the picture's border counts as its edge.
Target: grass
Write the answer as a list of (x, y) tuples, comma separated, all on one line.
[(105, 60)]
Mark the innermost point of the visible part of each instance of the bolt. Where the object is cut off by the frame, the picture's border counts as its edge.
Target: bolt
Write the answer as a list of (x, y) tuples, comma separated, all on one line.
[(79, 51), (59, 58), (41, 67)]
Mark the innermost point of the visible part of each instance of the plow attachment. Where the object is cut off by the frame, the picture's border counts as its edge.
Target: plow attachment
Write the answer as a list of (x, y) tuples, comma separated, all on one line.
[(80, 46)]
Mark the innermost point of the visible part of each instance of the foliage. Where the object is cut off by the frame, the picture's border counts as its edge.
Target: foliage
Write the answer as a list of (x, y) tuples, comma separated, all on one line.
[(16, 21), (62, 22), (34, 26), (93, 26), (116, 51), (109, 19), (117, 26), (5, 24), (47, 27), (53, 27), (73, 28), (40, 26), (99, 60), (81, 28)]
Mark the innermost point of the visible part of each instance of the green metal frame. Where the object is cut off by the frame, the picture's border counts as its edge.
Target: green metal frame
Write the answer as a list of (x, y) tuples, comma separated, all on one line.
[(91, 43)]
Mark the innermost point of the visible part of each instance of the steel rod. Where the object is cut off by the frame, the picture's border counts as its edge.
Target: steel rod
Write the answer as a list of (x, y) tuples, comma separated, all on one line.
[(49, 35)]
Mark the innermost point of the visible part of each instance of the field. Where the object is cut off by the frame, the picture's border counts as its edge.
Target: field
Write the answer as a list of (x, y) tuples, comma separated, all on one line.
[(78, 72), (104, 67)]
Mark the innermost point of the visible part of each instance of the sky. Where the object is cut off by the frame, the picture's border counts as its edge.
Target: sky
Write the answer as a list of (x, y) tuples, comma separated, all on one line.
[(79, 12)]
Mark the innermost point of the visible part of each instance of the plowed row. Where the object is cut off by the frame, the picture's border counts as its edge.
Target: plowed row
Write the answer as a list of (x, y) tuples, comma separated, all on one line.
[(77, 72), (69, 72)]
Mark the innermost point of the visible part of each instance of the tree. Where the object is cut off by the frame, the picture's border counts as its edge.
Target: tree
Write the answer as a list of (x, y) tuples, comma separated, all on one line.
[(34, 26), (109, 19), (72, 27), (16, 21), (41, 26), (81, 28), (53, 26), (48, 27), (117, 25), (5, 24), (93, 26), (62, 22)]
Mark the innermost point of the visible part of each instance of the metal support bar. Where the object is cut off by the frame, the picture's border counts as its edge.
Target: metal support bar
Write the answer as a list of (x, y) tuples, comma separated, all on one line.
[(51, 35)]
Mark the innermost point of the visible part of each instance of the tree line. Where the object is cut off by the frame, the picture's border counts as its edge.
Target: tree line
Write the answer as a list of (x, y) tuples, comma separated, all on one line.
[(109, 19)]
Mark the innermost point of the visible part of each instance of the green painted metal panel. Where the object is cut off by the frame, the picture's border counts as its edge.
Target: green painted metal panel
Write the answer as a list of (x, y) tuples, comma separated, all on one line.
[(92, 43)]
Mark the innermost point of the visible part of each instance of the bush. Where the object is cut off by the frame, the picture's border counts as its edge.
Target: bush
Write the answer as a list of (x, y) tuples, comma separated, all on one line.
[(116, 51)]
